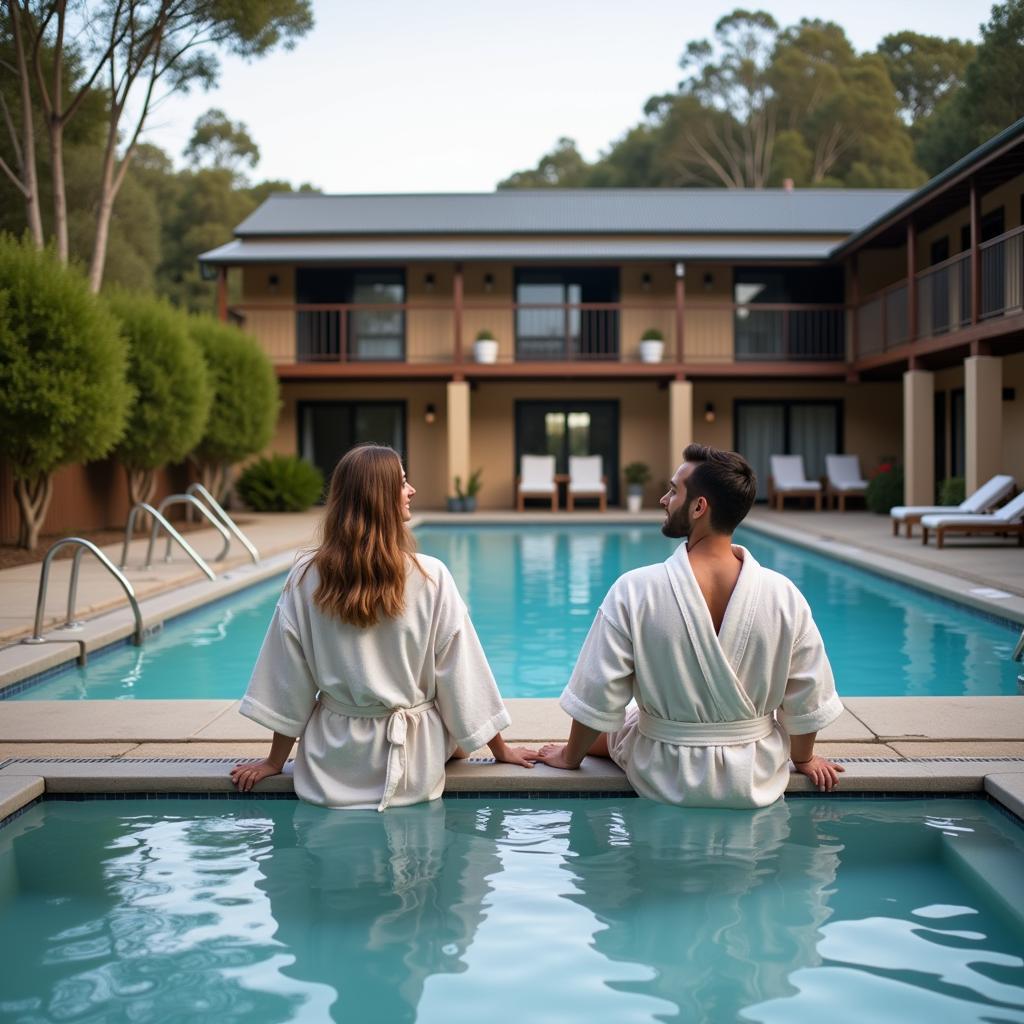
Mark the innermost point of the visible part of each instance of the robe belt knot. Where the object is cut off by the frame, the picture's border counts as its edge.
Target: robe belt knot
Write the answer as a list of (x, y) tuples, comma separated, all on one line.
[(397, 728), (705, 734)]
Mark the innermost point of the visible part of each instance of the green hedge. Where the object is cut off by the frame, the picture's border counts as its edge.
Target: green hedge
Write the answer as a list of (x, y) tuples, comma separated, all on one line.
[(885, 490), (280, 483)]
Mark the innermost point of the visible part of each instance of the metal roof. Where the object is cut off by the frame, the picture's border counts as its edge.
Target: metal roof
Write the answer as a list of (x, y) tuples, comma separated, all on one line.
[(976, 156), (243, 251), (575, 211)]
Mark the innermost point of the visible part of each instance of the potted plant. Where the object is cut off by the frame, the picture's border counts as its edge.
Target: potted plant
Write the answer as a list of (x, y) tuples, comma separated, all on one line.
[(485, 348), (637, 474), (467, 497), (652, 345)]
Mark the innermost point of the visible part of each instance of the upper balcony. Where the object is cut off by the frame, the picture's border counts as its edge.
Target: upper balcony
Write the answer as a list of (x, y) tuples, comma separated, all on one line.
[(597, 338), (940, 304)]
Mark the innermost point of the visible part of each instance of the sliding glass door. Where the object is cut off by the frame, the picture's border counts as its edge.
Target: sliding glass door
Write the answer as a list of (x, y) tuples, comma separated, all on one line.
[(562, 429), (329, 429), (810, 428), (549, 321)]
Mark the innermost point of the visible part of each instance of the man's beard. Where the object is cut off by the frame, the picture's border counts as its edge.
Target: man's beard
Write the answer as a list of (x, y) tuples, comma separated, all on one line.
[(678, 523)]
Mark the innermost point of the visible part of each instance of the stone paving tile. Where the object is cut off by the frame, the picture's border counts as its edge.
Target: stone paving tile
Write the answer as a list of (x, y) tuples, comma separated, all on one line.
[(1008, 789), (200, 750), (16, 791), (44, 749), (941, 718), (828, 749), (958, 748), (231, 727), (105, 721)]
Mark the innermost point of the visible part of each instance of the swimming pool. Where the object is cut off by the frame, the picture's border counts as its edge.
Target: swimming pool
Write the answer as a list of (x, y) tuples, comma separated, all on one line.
[(533, 591), (560, 910)]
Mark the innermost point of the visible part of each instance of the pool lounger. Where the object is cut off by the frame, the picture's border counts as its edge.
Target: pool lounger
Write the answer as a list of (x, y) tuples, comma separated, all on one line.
[(1007, 520), (984, 498)]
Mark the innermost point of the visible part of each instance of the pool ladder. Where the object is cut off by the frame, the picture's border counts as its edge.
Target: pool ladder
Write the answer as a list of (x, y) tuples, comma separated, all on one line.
[(195, 496)]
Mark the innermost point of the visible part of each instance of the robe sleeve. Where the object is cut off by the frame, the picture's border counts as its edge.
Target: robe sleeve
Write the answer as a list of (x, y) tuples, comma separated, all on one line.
[(811, 701), (282, 691), (466, 694), (601, 684)]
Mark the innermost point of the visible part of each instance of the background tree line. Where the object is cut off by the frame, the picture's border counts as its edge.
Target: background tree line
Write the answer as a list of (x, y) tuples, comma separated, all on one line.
[(759, 104), (79, 80)]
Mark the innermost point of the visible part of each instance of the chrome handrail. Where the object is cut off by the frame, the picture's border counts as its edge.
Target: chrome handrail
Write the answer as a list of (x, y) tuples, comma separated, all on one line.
[(185, 499), (71, 623), (198, 488), (172, 533)]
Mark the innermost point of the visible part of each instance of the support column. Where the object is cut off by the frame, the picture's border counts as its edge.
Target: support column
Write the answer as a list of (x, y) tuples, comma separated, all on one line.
[(458, 433), (680, 423), (919, 437), (983, 411)]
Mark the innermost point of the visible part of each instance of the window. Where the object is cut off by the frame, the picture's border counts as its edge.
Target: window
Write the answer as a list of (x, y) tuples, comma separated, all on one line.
[(374, 332), (564, 330)]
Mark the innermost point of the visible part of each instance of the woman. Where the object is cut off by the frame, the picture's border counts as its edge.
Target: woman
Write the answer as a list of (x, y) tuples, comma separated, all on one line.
[(371, 657)]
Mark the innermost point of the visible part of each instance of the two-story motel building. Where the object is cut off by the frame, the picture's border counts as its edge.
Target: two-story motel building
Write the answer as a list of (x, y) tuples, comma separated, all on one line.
[(876, 322)]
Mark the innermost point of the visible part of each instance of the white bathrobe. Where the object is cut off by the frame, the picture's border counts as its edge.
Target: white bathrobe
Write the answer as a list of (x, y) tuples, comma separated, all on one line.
[(713, 712), (379, 709)]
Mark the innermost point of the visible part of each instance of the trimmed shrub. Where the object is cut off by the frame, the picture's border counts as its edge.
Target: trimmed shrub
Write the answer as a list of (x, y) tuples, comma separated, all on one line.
[(280, 483), (885, 489), (952, 491), (62, 375), (172, 391), (243, 412)]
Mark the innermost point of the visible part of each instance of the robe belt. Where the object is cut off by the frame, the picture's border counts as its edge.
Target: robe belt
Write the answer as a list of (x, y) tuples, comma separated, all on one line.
[(398, 723), (705, 734)]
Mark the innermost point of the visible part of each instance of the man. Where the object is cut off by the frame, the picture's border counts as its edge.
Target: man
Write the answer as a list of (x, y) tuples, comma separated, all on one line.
[(722, 657)]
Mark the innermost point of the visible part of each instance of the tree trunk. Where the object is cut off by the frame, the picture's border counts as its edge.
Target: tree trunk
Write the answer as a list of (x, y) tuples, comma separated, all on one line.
[(141, 487), (29, 178), (33, 497), (60, 201)]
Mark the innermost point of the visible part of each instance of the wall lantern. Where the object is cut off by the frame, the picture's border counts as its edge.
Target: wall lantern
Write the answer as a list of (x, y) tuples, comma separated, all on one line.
[(645, 282), (428, 282), (709, 412), (488, 282), (207, 272), (429, 414), (272, 283), (709, 281)]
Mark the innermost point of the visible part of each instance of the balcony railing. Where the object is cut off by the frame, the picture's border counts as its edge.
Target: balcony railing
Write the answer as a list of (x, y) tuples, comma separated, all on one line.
[(943, 296), (580, 332)]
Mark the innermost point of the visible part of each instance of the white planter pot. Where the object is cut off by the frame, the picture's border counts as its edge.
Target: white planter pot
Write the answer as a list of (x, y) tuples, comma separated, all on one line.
[(634, 502), (485, 350), (651, 351)]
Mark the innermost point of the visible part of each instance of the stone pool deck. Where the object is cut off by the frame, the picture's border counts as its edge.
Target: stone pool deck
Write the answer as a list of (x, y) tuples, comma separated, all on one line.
[(887, 744)]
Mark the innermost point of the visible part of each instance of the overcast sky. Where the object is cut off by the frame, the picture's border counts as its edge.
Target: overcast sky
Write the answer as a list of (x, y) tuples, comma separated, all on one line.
[(404, 96)]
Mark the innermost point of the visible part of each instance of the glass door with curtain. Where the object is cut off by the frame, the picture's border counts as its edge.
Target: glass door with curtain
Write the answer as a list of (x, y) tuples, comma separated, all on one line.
[(562, 429), (760, 433), (329, 429), (812, 429)]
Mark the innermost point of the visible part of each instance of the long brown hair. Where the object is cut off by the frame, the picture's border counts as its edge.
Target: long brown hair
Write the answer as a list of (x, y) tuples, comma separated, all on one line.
[(362, 557)]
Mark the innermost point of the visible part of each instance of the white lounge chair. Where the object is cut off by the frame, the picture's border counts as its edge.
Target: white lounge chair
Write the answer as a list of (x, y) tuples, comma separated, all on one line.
[(987, 496), (788, 480), (1008, 520), (843, 479), (536, 480), (586, 481)]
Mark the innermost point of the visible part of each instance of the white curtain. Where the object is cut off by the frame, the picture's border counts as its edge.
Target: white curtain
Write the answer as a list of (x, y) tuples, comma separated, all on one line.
[(812, 434), (760, 432)]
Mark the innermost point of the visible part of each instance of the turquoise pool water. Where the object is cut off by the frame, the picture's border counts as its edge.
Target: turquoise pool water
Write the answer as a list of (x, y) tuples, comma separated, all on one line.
[(533, 592), (550, 910)]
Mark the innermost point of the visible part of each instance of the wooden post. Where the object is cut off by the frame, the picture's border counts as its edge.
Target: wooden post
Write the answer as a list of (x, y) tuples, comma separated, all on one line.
[(680, 270), (975, 204), (222, 294), (911, 282), (457, 293)]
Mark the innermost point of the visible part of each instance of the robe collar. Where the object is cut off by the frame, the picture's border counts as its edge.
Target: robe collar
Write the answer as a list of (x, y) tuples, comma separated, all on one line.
[(717, 653)]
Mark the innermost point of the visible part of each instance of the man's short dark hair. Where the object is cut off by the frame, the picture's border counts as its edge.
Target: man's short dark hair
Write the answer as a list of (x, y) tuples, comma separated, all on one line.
[(727, 482)]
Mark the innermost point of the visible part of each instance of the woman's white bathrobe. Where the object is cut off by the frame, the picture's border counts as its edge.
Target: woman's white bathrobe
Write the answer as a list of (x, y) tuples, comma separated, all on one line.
[(379, 709), (713, 712)]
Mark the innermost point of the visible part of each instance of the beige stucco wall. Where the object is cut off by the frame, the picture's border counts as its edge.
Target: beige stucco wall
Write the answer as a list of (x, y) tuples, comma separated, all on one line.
[(1013, 419), (427, 443)]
